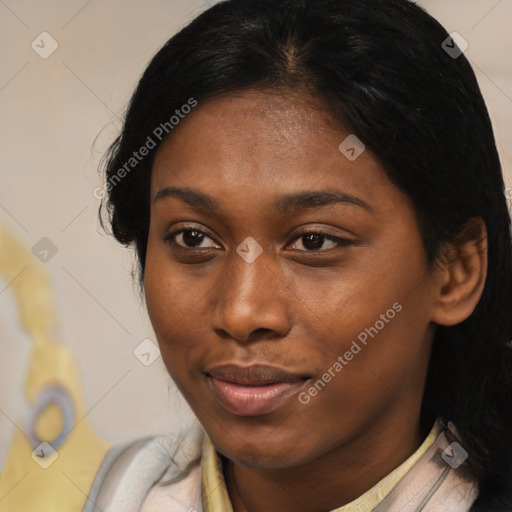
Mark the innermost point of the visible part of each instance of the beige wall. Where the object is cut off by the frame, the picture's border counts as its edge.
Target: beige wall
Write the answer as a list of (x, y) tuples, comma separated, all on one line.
[(52, 111)]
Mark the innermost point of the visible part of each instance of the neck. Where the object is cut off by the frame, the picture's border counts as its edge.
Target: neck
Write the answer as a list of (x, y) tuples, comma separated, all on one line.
[(328, 482)]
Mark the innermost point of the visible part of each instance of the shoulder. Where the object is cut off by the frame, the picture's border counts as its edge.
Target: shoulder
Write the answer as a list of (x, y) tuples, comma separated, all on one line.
[(131, 470)]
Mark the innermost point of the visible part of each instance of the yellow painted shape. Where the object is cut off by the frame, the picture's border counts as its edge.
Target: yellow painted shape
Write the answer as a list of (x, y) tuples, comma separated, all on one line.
[(24, 485), (49, 423)]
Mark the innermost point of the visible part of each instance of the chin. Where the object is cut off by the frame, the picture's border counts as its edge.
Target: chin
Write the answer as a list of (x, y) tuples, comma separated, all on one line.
[(264, 454)]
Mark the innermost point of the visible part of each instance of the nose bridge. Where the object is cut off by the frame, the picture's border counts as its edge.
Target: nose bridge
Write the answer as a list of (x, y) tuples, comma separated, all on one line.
[(250, 297), (250, 274)]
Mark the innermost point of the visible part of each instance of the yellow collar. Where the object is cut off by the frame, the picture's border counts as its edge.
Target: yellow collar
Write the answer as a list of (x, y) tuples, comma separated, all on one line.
[(215, 495)]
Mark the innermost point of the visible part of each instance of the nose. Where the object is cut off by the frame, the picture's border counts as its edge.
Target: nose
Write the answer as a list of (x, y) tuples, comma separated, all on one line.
[(252, 300)]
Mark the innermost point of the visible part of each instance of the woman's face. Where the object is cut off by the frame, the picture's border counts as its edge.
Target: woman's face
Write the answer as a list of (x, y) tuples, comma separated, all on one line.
[(294, 311)]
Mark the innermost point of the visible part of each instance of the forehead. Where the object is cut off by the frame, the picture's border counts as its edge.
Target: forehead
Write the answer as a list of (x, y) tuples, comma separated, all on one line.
[(258, 143)]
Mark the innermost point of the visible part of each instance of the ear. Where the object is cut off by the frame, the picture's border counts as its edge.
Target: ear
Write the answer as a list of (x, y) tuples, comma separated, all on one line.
[(461, 275)]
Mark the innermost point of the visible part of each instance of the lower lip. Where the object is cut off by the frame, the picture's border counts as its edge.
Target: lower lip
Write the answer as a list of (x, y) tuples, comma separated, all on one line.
[(253, 400)]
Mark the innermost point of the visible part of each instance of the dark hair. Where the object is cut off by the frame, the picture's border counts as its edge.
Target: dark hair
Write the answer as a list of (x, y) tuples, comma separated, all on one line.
[(380, 68)]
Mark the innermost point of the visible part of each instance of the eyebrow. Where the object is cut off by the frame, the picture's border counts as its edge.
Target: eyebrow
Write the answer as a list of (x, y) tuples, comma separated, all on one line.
[(289, 204)]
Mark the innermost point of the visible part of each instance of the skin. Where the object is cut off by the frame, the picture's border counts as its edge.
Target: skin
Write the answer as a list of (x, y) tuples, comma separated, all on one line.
[(296, 308)]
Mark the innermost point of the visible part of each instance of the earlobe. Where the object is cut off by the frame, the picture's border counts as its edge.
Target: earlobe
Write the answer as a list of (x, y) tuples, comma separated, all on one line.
[(462, 275)]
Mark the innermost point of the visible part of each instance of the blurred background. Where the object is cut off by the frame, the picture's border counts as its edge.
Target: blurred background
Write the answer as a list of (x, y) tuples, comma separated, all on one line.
[(67, 72)]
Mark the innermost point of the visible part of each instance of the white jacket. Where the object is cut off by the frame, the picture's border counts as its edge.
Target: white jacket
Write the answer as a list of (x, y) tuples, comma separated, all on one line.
[(164, 474)]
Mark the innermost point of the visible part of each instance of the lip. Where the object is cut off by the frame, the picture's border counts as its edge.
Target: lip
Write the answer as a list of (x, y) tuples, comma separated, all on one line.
[(253, 390)]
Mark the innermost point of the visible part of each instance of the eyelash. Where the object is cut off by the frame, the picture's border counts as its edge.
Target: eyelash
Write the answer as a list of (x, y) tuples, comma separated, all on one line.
[(341, 242)]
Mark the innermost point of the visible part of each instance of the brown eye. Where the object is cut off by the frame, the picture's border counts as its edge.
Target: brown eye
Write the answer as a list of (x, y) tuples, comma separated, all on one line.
[(314, 241), (189, 238)]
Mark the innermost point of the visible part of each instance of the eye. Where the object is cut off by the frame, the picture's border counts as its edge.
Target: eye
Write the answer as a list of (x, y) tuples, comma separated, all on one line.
[(314, 240), (190, 238)]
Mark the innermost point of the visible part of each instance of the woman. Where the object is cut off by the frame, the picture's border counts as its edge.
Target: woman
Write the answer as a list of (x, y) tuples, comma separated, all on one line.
[(316, 201)]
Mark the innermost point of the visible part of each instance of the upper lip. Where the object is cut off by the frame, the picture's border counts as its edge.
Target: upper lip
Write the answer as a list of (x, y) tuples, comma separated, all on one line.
[(253, 375)]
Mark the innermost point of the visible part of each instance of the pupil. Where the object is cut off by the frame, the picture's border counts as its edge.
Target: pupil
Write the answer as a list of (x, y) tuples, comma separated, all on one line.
[(316, 239), (191, 237)]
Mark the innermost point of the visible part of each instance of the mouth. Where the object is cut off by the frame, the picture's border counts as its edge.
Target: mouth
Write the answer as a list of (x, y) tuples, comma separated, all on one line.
[(253, 390)]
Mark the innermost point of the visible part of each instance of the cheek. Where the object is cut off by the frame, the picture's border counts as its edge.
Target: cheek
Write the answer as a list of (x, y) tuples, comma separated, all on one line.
[(368, 337), (172, 294), (370, 296), (375, 354), (170, 303)]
